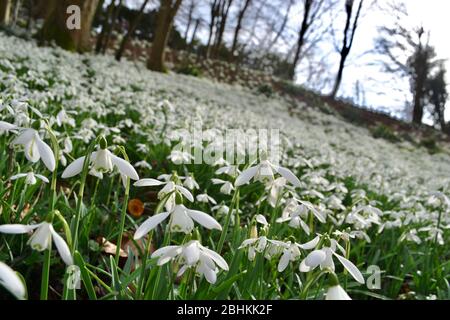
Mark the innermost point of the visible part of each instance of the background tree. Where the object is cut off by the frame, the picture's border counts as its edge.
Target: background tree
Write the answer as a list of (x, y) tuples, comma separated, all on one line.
[(55, 25), (349, 35), (406, 53), (5, 12), (166, 15), (237, 29), (437, 96), (131, 30)]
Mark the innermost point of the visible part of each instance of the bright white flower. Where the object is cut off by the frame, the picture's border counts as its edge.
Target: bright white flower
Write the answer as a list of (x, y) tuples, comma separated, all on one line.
[(275, 189), (5, 126), (264, 172), (170, 187), (101, 161), (63, 118), (143, 164), (179, 157), (30, 177), (205, 198), (12, 282), (41, 238), (291, 252), (226, 188), (337, 293), (324, 258), (181, 220), (35, 148), (193, 254), (190, 183), (230, 170)]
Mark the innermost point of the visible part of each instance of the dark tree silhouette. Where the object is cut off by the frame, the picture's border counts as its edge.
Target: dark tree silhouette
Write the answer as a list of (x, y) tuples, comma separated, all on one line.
[(166, 15), (349, 35)]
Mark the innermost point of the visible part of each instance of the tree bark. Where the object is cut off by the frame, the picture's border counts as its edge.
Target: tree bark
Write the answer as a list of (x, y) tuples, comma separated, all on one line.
[(111, 27), (5, 12), (55, 25), (282, 27), (347, 42), (130, 31), (301, 36), (238, 28), (188, 27), (166, 14), (214, 14), (224, 10), (105, 26)]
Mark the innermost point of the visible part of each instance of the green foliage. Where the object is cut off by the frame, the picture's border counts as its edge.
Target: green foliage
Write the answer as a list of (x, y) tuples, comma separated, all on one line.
[(384, 132), (190, 70)]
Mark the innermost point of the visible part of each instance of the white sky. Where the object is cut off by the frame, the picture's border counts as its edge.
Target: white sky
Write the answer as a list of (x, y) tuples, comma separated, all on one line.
[(381, 92)]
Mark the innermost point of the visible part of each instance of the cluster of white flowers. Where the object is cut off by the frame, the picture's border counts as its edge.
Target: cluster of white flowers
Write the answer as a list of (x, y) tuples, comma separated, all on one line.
[(336, 164)]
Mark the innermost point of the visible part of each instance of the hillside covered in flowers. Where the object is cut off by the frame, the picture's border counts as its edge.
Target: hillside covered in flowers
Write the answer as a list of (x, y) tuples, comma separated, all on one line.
[(342, 215)]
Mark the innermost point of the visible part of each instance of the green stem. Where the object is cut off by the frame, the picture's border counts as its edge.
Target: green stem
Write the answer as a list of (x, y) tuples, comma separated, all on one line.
[(227, 221), (46, 266), (46, 273)]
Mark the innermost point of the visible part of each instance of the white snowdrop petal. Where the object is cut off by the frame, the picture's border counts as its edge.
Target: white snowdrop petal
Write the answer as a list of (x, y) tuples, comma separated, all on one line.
[(147, 183), (150, 224), (46, 154), (245, 176), (204, 219), (125, 167), (74, 168), (62, 247), (351, 268), (11, 281)]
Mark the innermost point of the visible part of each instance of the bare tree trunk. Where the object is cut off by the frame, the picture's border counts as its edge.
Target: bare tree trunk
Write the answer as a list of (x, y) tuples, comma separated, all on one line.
[(214, 13), (301, 36), (5, 12), (238, 28), (55, 26), (194, 34), (17, 6), (105, 26), (282, 27), (225, 9), (130, 31), (347, 43), (166, 14), (112, 26), (190, 13)]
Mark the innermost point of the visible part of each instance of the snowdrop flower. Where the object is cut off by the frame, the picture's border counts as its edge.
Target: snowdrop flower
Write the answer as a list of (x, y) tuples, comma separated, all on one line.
[(101, 161), (35, 148), (179, 157), (275, 188), (170, 187), (12, 282), (291, 252), (230, 170), (63, 118), (337, 293), (181, 220), (41, 238), (324, 258), (190, 183), (205, 198), (143, 164), (226, 188), (193, 254), (30, 177), (296, 211), (264, 171), (258, 245), (5, 126)]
